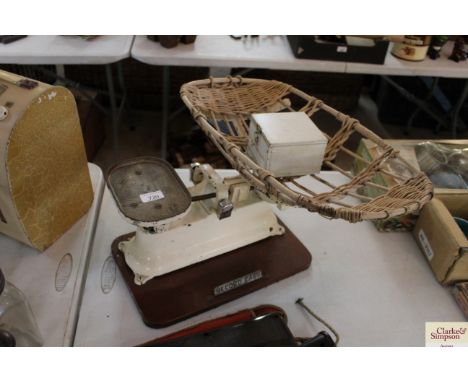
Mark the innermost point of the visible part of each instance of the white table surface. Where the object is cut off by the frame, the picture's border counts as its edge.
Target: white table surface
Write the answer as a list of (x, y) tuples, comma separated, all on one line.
[(375, 288), (442, 67), (269, 52), (34, 273), (274, 52), (57, 50)]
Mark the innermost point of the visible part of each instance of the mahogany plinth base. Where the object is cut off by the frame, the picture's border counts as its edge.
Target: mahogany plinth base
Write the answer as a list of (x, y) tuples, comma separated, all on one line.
[(178, 295)]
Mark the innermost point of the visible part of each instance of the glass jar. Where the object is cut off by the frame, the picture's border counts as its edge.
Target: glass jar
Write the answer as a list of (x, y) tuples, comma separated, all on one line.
[(17, 324)]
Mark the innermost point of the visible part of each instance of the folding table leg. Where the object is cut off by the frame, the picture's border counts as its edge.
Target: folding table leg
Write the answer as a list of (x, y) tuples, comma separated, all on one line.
[(113, 104), (60, 70), (456, 110), (165, 110), (429, 95), (412, 98)]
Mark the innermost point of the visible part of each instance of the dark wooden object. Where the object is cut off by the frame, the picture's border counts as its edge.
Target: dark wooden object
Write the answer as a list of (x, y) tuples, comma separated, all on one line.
[(178, 295)]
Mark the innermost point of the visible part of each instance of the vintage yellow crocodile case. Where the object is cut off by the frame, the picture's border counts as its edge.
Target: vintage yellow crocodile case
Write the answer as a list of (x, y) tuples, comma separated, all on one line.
[(45, 185)]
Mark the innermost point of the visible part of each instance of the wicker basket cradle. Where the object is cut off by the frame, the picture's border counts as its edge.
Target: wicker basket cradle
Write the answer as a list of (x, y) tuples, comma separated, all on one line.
[(222, 108)]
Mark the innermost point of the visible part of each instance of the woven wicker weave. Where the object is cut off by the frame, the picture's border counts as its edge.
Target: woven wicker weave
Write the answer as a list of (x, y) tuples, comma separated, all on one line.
[(222, 108)]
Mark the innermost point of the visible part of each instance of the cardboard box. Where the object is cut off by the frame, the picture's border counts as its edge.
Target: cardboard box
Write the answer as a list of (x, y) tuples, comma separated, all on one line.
[(369, 151), (442, 241), (460, 292)]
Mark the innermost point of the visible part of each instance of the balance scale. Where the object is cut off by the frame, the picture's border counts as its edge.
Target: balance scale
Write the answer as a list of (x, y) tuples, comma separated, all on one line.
[(199, 247)]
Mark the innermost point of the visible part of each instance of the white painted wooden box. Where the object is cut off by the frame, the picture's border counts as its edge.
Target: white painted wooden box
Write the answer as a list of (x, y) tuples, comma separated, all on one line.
[(287, 144)]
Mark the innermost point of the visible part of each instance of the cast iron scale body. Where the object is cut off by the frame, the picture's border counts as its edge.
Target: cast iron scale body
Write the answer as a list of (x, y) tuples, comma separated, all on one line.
[(243, 245)]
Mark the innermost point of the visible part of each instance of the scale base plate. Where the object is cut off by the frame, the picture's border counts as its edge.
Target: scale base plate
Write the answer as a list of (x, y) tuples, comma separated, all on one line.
[(178, 295)]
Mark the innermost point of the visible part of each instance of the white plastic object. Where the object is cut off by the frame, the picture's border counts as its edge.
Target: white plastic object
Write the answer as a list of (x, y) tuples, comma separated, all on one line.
[(287, 144)]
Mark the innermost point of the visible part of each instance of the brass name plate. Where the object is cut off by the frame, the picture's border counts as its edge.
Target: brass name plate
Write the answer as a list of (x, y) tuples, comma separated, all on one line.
[(236, 283)]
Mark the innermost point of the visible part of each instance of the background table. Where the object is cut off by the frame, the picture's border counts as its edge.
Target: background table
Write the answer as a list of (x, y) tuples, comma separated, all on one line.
[(269, 52), (440, 68), (71, 50), (66, 50), (54, 298), (274, 52), (375, 288)]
